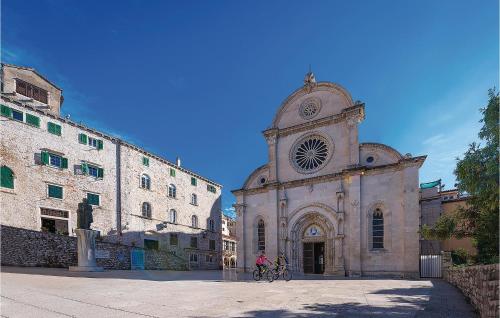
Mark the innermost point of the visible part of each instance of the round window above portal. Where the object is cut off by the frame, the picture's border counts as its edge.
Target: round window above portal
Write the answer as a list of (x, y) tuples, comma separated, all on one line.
[(310, 108), (311, 153)]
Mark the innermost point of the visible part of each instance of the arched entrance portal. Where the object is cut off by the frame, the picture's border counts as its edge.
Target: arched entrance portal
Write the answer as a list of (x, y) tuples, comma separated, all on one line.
[(314, 246)]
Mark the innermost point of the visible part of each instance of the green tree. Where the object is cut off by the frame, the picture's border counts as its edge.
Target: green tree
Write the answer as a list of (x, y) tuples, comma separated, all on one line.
[(477, 175)]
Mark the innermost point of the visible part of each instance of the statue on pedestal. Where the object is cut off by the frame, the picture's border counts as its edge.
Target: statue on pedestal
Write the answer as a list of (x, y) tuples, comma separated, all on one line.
[(84, 215), (85, 240)]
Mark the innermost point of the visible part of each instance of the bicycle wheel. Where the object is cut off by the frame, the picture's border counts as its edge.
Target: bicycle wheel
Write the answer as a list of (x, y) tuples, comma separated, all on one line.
[(256, 275), (270, 276), (276, 274), (287, 275)]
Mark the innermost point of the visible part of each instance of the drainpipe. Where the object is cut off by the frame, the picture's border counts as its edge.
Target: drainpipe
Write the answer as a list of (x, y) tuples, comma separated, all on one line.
[(118, 187)]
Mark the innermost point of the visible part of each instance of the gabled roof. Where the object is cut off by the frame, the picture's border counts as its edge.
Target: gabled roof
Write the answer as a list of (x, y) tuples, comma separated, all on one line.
[(34, 71)]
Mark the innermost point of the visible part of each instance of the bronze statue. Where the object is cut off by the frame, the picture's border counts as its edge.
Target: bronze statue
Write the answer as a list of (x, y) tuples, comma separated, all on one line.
[(84, 215)]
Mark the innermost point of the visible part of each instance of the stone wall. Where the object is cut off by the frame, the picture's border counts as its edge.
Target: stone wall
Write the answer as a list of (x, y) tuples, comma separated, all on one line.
[(479, 284), (22, 247)]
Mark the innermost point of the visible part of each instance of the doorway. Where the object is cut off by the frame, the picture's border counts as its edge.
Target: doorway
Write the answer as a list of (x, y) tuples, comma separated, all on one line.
[(314, 258)]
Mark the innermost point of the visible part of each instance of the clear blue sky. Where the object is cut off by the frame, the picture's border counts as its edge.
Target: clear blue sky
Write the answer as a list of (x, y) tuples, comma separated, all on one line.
[(202, 79)]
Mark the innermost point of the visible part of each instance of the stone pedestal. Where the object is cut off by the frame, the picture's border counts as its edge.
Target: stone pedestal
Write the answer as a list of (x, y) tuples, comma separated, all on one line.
[(86, 252)]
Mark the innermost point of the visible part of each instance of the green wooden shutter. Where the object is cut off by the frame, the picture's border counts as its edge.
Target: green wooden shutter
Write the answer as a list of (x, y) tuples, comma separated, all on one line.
[(100, 173), (54, 128), (145, 161), (45, 157), (85, 168), (6, 178), (6, 111), (193, 181), (93, 198), (99, 144), (64, 163), (55, 191), (172, 172), (82, 138), (32, 120)]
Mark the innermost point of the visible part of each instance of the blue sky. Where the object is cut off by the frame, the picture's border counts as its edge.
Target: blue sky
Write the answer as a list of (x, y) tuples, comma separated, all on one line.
[(202, 79)]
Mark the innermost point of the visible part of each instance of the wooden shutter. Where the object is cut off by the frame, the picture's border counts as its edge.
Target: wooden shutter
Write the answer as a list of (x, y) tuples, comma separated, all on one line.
[(99, 144), (85, 168), (6, 178), (6, 111), (100, 173), (64, 163), (45, 157), (32, 120), (82, 138)]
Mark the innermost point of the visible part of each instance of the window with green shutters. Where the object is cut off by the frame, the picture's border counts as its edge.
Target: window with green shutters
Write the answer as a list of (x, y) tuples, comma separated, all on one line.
[(32, 120), (5, 111), (55, 191), (193, 181), (82, 138), (6, 177), (145, 161), (53, 160), (211, 188), (93, 199), (54, 128), (91, 170), (172, 172)]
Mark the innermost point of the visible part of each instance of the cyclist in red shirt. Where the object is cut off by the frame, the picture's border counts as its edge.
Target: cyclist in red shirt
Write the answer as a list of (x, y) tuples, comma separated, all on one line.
[(261, 261)]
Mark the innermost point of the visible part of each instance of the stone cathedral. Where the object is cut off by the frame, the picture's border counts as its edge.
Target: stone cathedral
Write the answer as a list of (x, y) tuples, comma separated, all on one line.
[(333, 205)]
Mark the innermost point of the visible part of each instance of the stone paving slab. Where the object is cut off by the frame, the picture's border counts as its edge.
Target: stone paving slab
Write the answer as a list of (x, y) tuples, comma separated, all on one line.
[(44, 292)]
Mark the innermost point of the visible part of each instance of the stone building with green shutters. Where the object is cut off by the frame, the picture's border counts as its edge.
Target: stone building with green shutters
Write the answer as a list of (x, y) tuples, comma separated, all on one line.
[(50, 163)]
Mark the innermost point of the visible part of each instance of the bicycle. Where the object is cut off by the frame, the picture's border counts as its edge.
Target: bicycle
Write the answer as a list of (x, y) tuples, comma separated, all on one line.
[(257, 274), (282, 271)]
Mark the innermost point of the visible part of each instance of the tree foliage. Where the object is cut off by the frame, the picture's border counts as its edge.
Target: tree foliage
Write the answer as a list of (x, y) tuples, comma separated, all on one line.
[(477, 175)]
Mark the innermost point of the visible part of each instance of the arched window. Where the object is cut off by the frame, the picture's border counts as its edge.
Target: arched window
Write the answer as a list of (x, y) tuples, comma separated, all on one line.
[(145, 182), (378, 229), (6, 178), (211, 225), (173, 216), (194, 221), (172, 191), (194, 199), (146, 209), (261, 236)]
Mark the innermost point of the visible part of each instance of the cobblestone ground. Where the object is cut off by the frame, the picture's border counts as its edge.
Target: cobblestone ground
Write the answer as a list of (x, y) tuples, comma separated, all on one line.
[(42, 292)]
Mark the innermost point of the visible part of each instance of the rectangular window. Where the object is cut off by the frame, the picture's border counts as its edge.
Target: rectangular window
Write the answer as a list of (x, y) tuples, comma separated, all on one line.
[(17, 115), (82, 138), (211, 188), (54, 213), (172, 172), (211, 245), (55, 226), (54, 160), (151, 244), (32, 91), (194, 242), (193, 181), (54, 128), (32, 120), (209, 259), (173, 239), (5, 111), (145, 161), (93, 199), (54, 191), (193, 258)]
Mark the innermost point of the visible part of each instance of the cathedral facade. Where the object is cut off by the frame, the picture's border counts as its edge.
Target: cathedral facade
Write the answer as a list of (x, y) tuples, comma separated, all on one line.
[(333, 205)]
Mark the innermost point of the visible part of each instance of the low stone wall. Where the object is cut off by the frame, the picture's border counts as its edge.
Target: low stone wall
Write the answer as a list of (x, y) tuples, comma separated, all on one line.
[(28, 248), (479, 284)]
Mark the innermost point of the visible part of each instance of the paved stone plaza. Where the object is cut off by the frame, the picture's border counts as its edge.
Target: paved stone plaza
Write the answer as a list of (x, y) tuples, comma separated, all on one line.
[(44, 292)]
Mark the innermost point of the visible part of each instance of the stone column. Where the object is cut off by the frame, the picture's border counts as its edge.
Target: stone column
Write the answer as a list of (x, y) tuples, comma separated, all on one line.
[(86, 252), (339, 255), (241, 234), (355, 225)]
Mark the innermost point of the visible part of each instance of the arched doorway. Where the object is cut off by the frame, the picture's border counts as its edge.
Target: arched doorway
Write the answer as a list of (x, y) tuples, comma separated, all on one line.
[(312, 246)]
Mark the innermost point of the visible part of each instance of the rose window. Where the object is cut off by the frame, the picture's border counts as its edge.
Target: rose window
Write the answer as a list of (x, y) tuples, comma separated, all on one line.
[(310, 108), (310, 154)]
